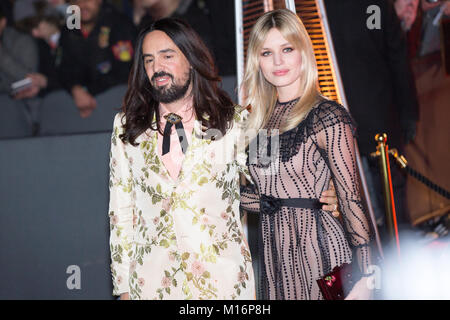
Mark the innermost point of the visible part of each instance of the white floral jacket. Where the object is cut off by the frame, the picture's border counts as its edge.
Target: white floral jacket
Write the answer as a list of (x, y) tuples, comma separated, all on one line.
[(179, 239)]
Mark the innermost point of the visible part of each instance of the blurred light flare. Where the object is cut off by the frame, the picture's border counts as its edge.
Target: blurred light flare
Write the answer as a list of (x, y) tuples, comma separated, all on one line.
[(422, 272)]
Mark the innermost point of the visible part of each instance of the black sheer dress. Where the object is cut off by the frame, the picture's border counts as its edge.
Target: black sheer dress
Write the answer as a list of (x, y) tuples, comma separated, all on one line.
[(299, 242)]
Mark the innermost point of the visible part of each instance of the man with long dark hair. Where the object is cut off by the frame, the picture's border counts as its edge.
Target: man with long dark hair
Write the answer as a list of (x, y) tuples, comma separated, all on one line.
[(174, 186)]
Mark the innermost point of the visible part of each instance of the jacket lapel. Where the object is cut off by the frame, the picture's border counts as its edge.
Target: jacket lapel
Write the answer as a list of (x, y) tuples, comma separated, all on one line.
[(148, 145), (194, 153)]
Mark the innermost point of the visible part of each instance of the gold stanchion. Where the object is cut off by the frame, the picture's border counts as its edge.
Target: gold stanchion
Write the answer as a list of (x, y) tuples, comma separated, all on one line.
[(391, 218)]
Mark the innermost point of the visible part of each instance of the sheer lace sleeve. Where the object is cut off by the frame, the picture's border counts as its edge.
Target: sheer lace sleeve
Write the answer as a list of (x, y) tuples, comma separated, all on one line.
[(334, 131), (249, 198)]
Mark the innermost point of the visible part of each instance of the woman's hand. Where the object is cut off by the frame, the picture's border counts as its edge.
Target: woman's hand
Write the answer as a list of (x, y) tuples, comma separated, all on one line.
[(329, 197), (361, 290)]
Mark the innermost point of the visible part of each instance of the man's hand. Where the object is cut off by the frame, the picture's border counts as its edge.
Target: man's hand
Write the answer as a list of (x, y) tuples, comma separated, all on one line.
[(125, 296), (38, 80), (28, 93), (329, 197), (84, 101)]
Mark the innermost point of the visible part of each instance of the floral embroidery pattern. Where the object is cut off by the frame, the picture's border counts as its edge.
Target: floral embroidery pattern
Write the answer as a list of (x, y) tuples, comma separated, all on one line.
[(177, 239)]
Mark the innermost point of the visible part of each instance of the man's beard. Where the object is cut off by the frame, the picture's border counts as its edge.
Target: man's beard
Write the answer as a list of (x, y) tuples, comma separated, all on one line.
[(170, 94)]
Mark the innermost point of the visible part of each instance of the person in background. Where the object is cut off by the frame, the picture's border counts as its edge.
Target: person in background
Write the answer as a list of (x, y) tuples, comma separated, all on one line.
[(430, 37), (407, 12), (59, 6), (7, 6), (410, 16), (98, 56), (158, 9), (24, 11), (42, 19), (213, 20), (18, 58), (380, 90), (139, 10), (443, 4), (47, 32)]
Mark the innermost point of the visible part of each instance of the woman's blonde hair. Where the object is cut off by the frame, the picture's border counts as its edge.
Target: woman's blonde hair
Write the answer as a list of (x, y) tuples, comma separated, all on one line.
[(261, 94)]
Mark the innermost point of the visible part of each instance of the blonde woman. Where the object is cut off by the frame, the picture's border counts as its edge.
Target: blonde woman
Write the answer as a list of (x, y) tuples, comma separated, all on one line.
[(299, 242)]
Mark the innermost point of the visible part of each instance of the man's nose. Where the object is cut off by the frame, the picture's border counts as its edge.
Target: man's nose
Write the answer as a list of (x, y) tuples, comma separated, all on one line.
[(158, 65)]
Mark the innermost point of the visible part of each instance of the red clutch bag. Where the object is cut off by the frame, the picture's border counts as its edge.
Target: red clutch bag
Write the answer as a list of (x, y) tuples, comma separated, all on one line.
[(337, 284)]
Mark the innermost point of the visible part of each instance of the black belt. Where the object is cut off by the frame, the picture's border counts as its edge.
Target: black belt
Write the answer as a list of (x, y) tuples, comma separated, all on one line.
[(270, 205)]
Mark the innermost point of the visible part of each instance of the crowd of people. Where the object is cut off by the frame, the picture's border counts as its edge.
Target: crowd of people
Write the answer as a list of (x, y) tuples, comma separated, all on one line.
[(376, 71), (40, 44)]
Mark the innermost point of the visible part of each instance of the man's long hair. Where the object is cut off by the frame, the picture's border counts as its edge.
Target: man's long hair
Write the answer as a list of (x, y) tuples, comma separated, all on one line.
[(212, 106)]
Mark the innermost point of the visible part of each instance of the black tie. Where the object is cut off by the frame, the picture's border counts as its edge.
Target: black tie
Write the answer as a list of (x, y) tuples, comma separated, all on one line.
[(174, 119)]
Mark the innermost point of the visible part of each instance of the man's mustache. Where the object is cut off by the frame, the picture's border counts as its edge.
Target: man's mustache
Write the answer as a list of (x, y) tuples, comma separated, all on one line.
[(161, 74)]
